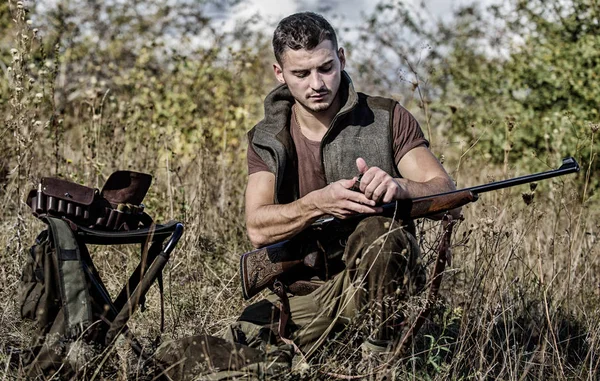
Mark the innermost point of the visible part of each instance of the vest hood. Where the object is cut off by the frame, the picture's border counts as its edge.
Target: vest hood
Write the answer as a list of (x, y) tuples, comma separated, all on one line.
[(278, 105)]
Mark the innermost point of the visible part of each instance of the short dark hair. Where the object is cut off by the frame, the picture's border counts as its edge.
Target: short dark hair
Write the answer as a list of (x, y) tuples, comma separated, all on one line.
[(304, 30)]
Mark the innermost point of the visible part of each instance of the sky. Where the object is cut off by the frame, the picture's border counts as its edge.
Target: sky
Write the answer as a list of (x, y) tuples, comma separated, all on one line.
[(350, 11)]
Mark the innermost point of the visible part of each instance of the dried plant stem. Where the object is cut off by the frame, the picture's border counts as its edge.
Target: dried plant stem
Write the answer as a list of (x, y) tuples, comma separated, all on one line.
[(425, 106), (547, 314), (169, 183), (457, 171), (588, 173)]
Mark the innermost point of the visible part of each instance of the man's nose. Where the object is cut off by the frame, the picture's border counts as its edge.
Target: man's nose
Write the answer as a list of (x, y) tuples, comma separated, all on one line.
[(316, 81)]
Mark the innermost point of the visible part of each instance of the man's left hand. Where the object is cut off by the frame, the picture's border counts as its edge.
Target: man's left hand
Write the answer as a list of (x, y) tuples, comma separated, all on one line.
[(379, 186)]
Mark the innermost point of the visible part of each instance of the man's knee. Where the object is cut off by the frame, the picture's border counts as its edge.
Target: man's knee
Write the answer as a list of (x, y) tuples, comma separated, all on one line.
[(381, 239)]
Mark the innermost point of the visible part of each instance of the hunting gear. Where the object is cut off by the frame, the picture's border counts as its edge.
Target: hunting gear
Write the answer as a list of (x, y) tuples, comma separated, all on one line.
[(61, 289), (118, 206)]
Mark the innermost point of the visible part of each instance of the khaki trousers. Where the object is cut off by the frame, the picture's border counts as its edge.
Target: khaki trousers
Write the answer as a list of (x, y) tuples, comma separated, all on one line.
[(381, 269)]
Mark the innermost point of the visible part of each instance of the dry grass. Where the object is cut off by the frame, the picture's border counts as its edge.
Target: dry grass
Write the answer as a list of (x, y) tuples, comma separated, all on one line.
[(520, 300)]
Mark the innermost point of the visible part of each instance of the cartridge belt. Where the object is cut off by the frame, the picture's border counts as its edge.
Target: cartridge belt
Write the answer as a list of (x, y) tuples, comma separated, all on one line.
[(85, 206)]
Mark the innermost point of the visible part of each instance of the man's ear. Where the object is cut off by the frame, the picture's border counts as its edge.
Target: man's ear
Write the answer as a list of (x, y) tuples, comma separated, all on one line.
[(342, 57), (278, 70)]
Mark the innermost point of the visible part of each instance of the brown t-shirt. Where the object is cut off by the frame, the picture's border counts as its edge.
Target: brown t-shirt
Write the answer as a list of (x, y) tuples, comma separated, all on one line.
[(406, 131)]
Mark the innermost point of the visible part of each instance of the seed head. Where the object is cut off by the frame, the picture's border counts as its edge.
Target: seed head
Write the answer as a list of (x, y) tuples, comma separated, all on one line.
[(510, 122), (528, 197)]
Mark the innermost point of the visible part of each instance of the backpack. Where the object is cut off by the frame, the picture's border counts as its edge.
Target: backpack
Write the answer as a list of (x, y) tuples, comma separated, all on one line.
[(55, 292)]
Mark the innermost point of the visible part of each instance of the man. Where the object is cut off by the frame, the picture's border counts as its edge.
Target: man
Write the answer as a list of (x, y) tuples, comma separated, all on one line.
[(318, 138)]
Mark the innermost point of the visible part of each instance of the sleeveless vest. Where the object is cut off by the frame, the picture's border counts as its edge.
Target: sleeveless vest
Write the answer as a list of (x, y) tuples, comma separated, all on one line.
[(362, 128)]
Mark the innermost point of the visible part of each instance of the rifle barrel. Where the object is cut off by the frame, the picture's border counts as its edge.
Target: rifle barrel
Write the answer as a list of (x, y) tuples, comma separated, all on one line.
[(569, 165)]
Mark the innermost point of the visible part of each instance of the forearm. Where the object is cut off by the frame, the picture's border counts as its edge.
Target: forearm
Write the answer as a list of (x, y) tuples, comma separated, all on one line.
[(269, 224)]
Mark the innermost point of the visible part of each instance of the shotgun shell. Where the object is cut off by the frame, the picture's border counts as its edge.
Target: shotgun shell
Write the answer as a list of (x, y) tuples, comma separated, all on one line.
[(39, 200), (52, 204), (111, 219), (62, 206), (70, 208)]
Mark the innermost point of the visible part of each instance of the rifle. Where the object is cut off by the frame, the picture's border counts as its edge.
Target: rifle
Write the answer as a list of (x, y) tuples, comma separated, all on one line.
[(261, 268)]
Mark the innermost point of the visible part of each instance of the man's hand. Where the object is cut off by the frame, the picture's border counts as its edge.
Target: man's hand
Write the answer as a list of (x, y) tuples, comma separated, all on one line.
[(379, 186), (339, 201)]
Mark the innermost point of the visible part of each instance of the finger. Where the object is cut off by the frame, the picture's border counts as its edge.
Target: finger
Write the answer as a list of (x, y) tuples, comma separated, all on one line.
[(377, 181), (389, 195), (380, 192), (361, 164), (348, 183), (358, 198), (368, 177), (364, 209)]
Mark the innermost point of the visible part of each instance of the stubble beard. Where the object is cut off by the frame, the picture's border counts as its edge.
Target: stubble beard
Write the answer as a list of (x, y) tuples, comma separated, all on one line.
[(318, 107)]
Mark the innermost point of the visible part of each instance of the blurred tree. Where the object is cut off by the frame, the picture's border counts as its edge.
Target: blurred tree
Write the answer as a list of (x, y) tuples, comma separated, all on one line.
[(148, 77), (518, 80), (531, 85), (7, 35)]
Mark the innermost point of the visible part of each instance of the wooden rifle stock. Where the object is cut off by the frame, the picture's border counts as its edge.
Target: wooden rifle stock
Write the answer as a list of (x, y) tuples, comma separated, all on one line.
[(260, 268), (431, 205)]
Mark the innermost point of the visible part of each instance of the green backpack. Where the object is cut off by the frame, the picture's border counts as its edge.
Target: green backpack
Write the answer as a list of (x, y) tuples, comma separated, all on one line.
[(56, 294)]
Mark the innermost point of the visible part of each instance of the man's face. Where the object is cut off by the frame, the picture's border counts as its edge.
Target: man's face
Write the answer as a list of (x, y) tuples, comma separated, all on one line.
[(313, 76)]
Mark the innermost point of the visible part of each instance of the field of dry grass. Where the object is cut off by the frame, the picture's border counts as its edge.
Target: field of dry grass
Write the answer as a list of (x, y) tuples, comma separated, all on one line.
[(520, 300)]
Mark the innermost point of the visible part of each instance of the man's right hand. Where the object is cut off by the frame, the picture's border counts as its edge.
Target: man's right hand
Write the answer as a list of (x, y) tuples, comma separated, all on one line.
[(337, 199)]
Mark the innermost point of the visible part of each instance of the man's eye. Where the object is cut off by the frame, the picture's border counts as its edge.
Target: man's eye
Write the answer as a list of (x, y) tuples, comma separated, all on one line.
[(327, 68), (301, 74)]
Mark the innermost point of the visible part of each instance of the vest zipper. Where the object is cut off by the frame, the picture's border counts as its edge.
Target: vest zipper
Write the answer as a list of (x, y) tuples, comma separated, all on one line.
[(335, 119)]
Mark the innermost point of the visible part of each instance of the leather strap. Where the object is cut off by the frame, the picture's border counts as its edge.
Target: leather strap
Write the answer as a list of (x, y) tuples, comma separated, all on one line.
[(284, 310), (72, 282)]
